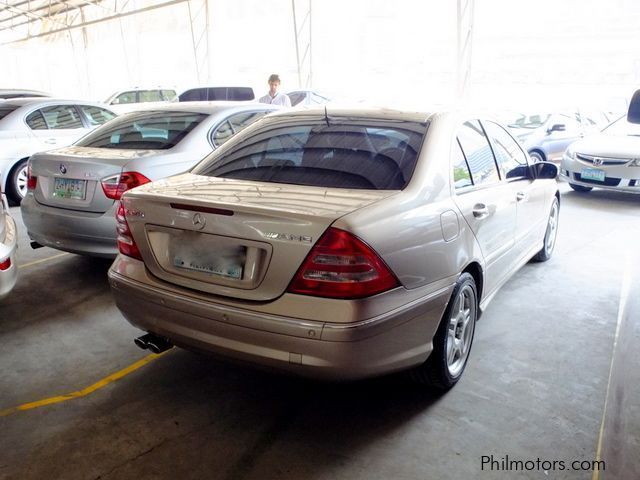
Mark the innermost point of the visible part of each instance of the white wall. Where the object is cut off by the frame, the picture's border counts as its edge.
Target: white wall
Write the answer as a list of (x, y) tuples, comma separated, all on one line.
[(536, 52)]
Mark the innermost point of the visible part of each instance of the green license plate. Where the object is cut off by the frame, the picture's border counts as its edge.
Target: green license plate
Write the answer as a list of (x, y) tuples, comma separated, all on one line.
[(69, 188), (593, 174)]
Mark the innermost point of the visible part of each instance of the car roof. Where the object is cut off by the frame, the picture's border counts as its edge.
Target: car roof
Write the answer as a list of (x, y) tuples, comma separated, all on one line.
[(22, 91), (43, 102), (358, 112), (205, 107)]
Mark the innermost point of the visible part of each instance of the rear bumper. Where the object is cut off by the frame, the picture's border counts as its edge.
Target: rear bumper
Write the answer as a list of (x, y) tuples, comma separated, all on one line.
[(392, 341), (8, 247), (72, 231)]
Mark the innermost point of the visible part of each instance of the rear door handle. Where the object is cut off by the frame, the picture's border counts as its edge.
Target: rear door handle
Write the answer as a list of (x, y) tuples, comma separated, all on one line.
[(51, 141), (520, 196), (480, 210)]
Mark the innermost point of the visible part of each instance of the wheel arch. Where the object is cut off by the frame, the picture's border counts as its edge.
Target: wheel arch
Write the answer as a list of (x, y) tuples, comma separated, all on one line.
[(475, 270), (7, 172)]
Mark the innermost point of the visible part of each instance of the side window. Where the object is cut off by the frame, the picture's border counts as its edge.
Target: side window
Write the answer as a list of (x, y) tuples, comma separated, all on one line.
[(461, 174), (221, 134), (96, 115), (168, 95), (149, 96), (35, 120), (512, 161), (296, 98), (126, 97), (477, 151), (62, 117), (240, 121)]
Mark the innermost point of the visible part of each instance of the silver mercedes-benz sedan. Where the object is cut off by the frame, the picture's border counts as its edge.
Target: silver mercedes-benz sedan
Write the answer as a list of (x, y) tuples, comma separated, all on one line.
[(73, 192), (336, 243), (8, 246)]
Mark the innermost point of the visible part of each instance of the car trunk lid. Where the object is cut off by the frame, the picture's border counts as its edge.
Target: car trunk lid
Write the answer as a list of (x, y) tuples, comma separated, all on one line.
[(235, 238), (71, 177)]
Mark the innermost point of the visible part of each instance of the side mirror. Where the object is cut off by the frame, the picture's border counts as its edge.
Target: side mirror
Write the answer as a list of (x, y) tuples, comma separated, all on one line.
[(558, 127), (633, 115), (544, 170)]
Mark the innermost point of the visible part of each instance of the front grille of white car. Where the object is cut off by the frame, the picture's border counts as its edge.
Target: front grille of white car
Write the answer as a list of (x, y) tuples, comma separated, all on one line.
[(606, 161)]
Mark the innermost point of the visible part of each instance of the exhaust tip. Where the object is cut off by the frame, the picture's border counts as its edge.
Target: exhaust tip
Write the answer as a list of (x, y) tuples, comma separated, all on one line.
[(153, 342), (142, 342), (35, 245)]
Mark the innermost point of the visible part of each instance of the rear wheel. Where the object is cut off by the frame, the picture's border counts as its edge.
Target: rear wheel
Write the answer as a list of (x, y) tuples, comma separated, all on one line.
[(580, 188), (17, 182), (453, 339), (550, 235)]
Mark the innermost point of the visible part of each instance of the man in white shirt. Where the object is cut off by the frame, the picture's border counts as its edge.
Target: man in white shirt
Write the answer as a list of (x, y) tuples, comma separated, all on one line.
[(274, 97)]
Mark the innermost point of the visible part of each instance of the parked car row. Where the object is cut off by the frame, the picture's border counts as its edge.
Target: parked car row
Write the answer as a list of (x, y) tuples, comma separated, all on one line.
[(335, 243)]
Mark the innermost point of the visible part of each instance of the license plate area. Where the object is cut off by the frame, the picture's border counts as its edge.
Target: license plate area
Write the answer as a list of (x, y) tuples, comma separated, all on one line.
[(222, 261), (593, 174), (69, 188), (195, 259)]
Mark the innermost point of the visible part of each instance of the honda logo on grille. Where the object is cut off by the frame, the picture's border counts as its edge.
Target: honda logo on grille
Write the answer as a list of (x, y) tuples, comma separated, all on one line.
[(199, 221), (598, 161)]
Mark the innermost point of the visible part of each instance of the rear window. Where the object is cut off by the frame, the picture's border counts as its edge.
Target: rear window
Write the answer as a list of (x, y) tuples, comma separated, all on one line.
[(144, 131), (217, 93), (4, 111), (350, 153)]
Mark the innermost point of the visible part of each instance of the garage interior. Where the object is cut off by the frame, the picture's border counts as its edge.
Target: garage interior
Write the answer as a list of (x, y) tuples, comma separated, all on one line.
[(553, 372)]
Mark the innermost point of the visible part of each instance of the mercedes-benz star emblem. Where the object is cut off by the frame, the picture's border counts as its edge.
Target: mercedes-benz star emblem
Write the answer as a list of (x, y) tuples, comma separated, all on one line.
[(63, 168), (199, 221)]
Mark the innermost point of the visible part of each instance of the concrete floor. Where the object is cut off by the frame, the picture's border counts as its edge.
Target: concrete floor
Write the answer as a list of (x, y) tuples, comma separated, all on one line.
[(535, 386)]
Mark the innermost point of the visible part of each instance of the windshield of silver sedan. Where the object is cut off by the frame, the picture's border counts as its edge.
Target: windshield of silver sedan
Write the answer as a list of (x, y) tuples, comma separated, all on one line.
[(344, 153), (143, 131)]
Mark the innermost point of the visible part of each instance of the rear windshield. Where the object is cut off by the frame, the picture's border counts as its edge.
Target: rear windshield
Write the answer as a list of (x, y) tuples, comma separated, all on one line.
[(4, 111), (144, 131), (346, 153), (217, 93)]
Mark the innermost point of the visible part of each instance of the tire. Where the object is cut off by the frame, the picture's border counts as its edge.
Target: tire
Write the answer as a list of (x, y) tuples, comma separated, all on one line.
[(550, 234), (453, 339), (17, 182), (536, 156), (580, 188)]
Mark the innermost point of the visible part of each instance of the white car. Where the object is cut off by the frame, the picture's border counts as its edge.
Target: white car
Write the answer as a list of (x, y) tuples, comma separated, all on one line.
[(610, 160), (30, 125), (134, 99), (8, 246)]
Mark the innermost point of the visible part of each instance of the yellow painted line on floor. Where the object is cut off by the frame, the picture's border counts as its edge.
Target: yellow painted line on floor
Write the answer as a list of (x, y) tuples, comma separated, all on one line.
[(624, 297), (42, 260), (85, 391)]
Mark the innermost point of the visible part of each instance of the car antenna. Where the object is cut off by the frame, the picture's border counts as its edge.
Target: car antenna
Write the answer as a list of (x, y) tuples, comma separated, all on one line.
[(326, 117)]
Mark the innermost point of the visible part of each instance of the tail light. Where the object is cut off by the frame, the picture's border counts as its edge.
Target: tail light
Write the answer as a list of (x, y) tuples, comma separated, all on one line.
[(5, 264), (126, 244), (32, 181), (341, 265), (116, 185)]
